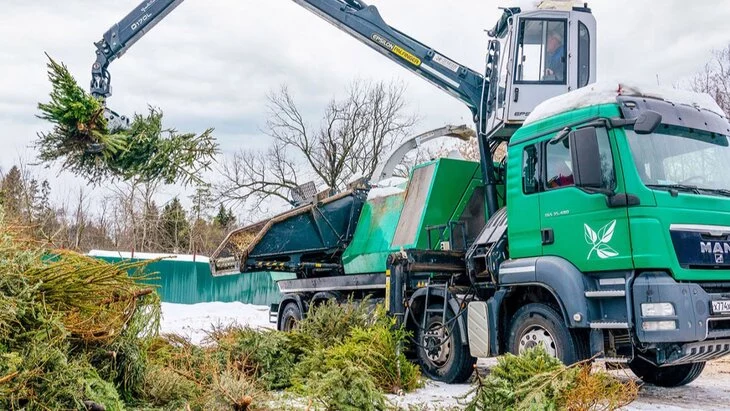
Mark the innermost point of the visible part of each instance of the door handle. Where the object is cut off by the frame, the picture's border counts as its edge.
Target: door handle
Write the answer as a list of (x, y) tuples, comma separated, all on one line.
[(517, 94), (548, 236), (622, 200)]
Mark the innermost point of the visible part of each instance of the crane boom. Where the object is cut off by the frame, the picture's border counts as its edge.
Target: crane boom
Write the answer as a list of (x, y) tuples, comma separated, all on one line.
[(352, 16), (121, 36), (365, 23)]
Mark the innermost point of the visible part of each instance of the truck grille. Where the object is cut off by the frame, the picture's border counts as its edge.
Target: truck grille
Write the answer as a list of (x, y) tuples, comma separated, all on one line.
[(715, 287), (718, 328)]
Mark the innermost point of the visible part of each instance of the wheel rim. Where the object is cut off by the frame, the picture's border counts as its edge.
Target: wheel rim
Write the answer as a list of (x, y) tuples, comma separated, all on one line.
[(290, 323), (437, 344), (536, 335)]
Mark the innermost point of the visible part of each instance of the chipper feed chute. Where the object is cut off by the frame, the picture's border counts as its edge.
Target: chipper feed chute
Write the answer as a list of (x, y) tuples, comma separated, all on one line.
[(307, 240)]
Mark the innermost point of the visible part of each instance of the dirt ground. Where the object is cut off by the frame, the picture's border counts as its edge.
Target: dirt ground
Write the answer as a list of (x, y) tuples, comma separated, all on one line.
[(709, 392)]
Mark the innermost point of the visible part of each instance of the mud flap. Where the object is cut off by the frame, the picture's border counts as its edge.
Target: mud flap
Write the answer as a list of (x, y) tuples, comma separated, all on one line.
[(478, 329)]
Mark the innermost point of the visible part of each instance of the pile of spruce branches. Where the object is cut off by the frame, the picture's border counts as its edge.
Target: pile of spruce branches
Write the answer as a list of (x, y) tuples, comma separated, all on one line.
[(81, 333), (341, 357), (83, 142), (537, 381), (73, 330)]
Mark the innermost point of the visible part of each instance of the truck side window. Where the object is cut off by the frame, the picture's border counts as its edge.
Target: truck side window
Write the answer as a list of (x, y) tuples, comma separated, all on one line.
[(604, 149), (529, 170), (541, 52), (559, 164)]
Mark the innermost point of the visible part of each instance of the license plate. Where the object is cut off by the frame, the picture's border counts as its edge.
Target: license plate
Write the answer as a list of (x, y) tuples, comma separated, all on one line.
[(721, 307)]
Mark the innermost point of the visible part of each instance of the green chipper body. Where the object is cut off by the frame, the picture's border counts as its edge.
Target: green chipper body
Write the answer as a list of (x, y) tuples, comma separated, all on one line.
[(440, 207)]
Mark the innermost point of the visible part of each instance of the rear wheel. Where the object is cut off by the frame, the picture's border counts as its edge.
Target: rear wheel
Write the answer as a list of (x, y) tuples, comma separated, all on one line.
[(441, 354), (669, 376), (539, 324), (290, 317)]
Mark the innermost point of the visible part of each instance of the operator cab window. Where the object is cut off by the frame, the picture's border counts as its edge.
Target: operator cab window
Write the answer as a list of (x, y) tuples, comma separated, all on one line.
[(541, 52), (584, 55)]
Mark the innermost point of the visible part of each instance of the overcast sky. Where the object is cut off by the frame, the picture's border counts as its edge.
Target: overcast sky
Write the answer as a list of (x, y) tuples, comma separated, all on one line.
[(211, 62)]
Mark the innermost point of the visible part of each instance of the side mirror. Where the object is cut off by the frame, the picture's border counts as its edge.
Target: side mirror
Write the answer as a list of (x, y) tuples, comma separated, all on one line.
[(647, 122), (586, 158)]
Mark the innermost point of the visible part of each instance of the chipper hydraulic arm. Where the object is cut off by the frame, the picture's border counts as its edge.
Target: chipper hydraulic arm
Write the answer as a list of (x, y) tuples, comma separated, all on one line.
[(359, 20)]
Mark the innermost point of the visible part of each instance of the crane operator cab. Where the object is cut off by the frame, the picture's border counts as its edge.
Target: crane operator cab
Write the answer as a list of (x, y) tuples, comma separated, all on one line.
[(549, 51)]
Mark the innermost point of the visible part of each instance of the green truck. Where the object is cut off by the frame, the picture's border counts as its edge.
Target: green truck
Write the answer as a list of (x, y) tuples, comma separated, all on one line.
[(604, 232), (612, 240)]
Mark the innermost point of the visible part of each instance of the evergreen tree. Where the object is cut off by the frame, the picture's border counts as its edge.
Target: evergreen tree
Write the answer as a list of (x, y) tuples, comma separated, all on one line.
[(224, 218), (174, 227), (11, 188), (200, 203)]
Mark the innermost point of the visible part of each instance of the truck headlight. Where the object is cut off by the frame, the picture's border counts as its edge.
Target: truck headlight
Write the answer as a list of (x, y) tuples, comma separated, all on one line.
[(659, 325), (657, 310)]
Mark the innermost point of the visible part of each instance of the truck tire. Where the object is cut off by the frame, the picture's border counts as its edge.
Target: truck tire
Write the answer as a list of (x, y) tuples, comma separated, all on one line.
[(290, 317), (445, 358), (538, 323), (669, 376)]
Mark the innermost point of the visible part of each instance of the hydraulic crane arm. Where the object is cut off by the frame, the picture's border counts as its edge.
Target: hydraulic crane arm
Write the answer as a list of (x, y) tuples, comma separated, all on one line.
[(365, 23), (122, 36), (353, 16)]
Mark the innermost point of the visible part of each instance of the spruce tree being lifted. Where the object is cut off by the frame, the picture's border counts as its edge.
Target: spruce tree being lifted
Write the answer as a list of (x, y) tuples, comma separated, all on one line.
[(84, 143)]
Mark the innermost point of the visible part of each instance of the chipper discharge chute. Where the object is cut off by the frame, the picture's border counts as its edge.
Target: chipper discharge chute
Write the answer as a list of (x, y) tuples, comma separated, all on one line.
[(308, 239)]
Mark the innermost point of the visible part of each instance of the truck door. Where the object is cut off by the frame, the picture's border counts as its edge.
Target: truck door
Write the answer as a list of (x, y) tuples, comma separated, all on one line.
[(578, 224)]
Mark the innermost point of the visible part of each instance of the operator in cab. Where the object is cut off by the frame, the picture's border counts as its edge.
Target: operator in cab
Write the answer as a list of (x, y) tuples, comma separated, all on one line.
[(555, 58)]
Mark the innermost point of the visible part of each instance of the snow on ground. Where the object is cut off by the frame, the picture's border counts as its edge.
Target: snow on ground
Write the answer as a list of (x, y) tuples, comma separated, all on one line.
[(193, 321), (709, 392)]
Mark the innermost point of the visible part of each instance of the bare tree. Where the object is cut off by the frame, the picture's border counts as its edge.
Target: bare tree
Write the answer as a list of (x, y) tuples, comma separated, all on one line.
[(350, 140), (135, 215), (80, 217), (714, 79), (252, 177)]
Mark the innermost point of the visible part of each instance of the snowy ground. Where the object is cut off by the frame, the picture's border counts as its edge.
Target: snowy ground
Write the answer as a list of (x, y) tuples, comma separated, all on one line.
[(192, 321), (709, 392)]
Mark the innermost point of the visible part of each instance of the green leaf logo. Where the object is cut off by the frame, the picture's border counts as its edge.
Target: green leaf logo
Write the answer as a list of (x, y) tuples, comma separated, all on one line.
[(599, 240)]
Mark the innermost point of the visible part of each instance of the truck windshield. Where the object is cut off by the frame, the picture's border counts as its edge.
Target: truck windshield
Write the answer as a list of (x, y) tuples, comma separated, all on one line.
[(681, 159)]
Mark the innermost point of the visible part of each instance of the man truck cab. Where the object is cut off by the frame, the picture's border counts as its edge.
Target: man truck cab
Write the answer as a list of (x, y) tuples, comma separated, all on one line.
[(634, 250)]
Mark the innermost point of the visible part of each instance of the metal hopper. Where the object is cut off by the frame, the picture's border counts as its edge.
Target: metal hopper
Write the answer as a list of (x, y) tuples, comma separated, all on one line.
[(308, 240)]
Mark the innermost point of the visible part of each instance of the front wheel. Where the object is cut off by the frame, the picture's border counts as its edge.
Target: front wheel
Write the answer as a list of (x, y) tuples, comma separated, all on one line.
[(539, 324), (291, 315), (440, 352), (668, 376)]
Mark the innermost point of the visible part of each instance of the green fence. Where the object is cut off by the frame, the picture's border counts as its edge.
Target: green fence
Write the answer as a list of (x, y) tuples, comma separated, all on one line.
[(184, 281)]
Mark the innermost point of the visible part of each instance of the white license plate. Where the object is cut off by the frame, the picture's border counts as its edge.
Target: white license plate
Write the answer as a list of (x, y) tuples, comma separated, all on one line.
[(721, 307)]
